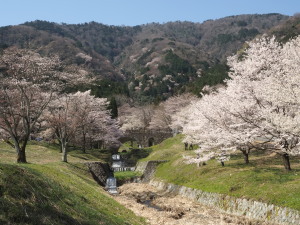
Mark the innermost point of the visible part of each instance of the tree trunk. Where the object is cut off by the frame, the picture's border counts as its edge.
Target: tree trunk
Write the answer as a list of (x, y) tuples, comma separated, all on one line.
[(84, 142), (186, 146), (60, 146), (83, 149), (246, 157), (21, 156), (286, 161), (64, 151), (101, 144)]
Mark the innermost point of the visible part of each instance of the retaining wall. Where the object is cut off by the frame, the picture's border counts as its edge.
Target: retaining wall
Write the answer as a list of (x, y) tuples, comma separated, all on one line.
[(148, 169), (100, 172), (235, 206)]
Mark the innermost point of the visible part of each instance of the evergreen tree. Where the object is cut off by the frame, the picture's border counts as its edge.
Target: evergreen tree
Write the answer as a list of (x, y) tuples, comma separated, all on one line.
[(113, 108)]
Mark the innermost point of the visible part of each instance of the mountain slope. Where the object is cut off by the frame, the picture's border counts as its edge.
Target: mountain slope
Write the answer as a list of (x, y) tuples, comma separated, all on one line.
[(164, 58), (155, 60), (287, 30)]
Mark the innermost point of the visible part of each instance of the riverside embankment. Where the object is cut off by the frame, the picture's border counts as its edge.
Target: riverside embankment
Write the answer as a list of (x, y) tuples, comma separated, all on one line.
[(242, 210), (162, 208)]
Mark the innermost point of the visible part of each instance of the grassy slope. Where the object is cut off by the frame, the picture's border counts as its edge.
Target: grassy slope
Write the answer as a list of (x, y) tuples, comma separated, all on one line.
[(46, 191), (264, 179)]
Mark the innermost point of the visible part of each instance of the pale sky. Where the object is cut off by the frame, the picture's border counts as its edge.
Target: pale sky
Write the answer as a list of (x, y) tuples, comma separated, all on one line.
[(136, 12)]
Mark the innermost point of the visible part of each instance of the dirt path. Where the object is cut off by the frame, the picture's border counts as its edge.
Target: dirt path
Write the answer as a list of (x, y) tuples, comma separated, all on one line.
[(170, 210)]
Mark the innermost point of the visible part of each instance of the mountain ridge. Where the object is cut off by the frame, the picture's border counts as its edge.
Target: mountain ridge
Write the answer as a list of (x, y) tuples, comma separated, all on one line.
[(154, 60)]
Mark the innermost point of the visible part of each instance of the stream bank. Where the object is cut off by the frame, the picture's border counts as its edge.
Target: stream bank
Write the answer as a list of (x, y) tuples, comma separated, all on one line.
[(162, 208), (163, 203), (254, 210)]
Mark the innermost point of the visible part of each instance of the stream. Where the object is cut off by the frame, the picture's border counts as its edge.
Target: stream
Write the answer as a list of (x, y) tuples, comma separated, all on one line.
[(165, 209)]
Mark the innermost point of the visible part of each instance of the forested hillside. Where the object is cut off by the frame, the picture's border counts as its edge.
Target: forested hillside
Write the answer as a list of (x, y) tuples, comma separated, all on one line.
[(155, 60)]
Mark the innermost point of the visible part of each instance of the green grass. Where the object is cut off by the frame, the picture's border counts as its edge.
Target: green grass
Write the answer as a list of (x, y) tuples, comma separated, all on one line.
[(126, 175), (264, 179), (127, 146), (47, 191), (169, 149), (133, 155)]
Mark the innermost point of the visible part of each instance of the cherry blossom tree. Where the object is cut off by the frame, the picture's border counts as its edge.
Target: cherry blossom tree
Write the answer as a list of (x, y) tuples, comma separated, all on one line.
[(105, 129), (131, 118), (216, 128), (175, 108), (271, 73), (62, 120), (259, 105), (161, 119), (166, 115), (28, 83), (222, 157), (202, 156), (90, 112), (136, 119), (24, 95), (80, 116), (111, 134)]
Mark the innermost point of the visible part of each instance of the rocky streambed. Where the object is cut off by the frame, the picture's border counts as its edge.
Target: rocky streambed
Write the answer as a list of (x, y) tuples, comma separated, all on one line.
[(161, 208)]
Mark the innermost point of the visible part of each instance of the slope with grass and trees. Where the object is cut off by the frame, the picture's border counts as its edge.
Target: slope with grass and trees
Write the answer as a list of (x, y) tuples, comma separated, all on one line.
[(257, 110), (46, 191), (262, 179), (34, 104), (28, 83)]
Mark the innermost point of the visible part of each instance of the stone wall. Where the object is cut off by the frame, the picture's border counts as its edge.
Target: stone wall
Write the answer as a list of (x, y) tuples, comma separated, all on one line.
[(148, 169), (235, 206), (100, 172), (141, 166)]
